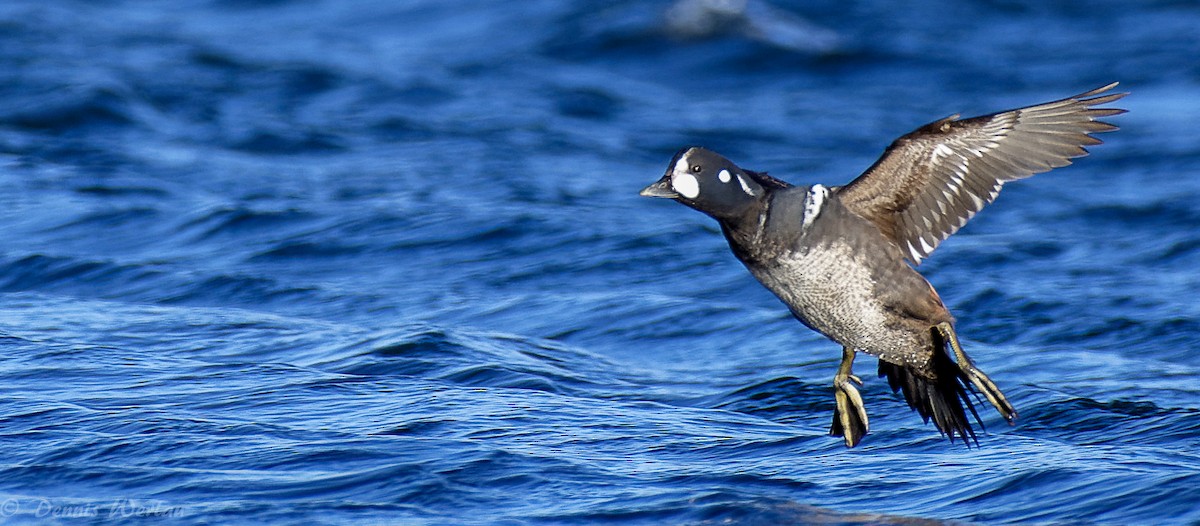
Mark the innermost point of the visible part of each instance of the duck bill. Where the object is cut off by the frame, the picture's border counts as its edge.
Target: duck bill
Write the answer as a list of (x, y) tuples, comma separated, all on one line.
[(662, 189)]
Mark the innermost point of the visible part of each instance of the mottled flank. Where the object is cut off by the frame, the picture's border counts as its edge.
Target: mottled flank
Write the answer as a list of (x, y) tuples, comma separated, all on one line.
[(380, 262)]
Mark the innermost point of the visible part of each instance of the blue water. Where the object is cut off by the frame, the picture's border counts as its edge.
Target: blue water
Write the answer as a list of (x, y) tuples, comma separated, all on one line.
[(385, 262)]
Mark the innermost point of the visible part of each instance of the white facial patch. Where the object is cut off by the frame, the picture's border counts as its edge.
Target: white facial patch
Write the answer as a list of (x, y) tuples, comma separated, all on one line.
[(681, 166), (682, 180), (814, 202), (724, 176), (686, 184)]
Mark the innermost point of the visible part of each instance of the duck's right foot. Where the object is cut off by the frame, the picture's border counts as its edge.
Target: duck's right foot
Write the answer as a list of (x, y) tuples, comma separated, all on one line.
[(849, 415)]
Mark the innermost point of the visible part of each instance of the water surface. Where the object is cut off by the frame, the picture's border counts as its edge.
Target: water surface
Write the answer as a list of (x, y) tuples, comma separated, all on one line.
[(385, 262)]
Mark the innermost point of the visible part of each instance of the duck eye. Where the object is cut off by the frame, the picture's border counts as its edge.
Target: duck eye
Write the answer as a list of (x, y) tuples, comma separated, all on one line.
[(696, 168)]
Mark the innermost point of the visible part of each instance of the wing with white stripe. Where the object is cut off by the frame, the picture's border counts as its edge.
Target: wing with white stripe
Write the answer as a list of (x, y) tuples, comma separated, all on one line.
[(930, 182)]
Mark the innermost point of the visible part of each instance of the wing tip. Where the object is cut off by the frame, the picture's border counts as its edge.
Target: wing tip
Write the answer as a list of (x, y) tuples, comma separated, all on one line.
[(1094, 97), (1100, 90)]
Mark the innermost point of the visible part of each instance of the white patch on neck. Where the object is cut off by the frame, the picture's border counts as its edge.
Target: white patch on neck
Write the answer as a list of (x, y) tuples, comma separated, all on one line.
[(724, 176), (686, 184), (745, 187), (814, 202)]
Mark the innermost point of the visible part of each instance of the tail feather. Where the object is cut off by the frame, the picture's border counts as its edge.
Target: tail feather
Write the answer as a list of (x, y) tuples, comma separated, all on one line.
[(946, 400)]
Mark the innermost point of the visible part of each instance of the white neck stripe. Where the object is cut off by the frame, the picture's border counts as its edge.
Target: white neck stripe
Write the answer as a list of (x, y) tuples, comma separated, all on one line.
[(814, 203), (745, 187)]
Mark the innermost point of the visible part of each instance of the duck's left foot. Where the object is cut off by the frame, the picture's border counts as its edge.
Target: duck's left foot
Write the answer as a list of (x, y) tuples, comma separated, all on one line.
[(980, 380), (849, 416)]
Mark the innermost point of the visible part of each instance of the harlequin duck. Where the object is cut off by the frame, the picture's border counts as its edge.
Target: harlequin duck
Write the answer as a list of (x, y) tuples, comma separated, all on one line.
[(842, 257)]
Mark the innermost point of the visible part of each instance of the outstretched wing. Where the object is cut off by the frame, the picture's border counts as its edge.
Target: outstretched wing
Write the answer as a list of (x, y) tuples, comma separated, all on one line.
[(929, 183)]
